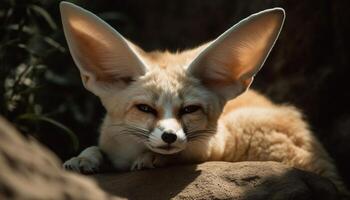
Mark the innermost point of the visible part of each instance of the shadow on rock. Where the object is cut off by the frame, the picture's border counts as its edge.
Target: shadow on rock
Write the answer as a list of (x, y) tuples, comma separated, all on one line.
[(291, 184), (220, 180)]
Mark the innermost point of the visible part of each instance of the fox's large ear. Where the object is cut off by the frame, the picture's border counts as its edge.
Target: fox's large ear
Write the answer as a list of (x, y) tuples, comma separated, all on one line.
[(227, 66), (102, 55)]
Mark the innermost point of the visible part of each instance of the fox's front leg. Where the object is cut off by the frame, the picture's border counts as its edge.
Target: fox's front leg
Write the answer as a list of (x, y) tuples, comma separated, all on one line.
[(149, 160), (144, 160), (87, 162)]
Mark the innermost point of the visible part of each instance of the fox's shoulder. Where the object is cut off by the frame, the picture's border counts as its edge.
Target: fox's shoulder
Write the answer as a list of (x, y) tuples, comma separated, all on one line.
[(250, 98)]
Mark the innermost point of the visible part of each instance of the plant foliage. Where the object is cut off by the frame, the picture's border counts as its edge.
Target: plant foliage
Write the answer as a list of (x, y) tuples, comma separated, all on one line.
[(40, 90)]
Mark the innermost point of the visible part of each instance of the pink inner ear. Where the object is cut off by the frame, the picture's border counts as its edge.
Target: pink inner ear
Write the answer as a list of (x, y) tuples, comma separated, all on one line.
[(89, 50)]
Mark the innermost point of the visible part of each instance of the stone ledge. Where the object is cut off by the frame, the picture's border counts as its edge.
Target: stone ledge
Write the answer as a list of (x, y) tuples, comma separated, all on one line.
[(219, 180)]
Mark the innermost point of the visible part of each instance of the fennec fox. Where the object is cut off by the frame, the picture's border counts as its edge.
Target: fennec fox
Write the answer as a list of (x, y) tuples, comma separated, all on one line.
[(187, 107)]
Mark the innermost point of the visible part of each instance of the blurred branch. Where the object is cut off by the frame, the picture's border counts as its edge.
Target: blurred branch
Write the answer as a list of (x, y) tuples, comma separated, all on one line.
[(37, 118)]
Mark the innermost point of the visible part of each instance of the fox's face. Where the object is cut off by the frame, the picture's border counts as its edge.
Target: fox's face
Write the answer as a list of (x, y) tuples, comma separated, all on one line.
[(165, 109), (167, 101)]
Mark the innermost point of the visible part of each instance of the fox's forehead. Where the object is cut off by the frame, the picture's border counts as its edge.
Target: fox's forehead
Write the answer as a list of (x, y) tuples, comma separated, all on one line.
[(167, 71), (167, 87), (167, 83), (172, 78)]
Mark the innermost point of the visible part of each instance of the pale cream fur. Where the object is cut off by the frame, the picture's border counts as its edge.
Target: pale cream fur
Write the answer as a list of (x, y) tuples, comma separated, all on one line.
[(248, 127)]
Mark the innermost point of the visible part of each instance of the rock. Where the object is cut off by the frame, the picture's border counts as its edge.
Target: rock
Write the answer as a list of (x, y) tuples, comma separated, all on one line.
[(30, 171), (219, 180)]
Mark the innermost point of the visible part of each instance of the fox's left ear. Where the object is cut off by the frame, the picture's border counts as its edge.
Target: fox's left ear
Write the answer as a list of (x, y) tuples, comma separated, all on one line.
[(105, 59), (228, 65)]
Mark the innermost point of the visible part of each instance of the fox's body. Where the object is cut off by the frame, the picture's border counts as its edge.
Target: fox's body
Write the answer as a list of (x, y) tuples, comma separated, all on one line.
[(188, 107), (250, 128)]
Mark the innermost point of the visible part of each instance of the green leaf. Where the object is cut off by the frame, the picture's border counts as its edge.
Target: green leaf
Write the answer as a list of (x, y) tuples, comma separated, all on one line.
[(68, 131)]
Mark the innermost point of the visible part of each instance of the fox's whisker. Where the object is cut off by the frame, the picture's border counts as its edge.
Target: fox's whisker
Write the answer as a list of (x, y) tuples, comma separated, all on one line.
[(131, 127), (201, 131), (152, 138), (199, 137), (131, 133), (196, 137), (195, 133)]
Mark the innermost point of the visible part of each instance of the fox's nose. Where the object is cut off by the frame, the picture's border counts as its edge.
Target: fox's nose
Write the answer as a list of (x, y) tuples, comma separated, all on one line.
[(169, 137)]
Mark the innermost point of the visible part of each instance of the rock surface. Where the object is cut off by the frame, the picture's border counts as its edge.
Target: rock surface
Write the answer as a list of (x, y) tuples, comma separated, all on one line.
[(30, 171), (219, 180)]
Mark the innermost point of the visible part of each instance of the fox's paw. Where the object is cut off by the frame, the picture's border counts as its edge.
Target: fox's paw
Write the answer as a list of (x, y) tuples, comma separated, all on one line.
[(81, 165), (143, 161)]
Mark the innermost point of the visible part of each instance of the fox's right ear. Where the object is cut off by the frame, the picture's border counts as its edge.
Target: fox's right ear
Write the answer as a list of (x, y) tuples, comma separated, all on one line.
[(103, 56), (228, 65)]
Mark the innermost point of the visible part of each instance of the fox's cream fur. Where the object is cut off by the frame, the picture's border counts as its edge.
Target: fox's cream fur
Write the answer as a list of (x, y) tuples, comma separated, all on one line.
[(199, 97)]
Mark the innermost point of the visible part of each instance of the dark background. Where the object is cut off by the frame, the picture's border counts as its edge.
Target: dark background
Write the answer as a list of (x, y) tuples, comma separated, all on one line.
[(41, 91)]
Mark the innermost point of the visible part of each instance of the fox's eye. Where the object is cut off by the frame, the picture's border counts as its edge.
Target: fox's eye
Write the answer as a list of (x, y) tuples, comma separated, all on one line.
[(189, 109), (146, 108)]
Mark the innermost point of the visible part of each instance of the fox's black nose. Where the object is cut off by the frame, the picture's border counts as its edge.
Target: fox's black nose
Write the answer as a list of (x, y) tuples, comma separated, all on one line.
[(169, 137)]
